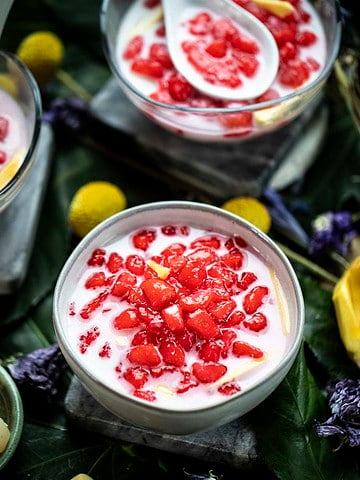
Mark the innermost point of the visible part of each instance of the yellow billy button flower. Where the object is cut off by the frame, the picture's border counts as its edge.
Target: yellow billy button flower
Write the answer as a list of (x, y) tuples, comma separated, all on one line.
[(251, 210), (93, 203), (82, 476), (42, 52), (346, 299)]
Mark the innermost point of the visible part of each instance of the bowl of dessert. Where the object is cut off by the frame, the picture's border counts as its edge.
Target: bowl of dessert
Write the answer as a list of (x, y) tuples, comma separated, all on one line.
[(20, 123), (178, 316), (307, 34)]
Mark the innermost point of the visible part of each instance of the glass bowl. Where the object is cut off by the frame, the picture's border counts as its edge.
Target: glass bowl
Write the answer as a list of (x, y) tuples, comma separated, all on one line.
[(11, 411), (22, 108), (231, 121), (142, 393)]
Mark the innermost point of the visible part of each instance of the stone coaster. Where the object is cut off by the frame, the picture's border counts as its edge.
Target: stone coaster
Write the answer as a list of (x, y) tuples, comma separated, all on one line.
[(233, 444), (216, 170), (19, 220)]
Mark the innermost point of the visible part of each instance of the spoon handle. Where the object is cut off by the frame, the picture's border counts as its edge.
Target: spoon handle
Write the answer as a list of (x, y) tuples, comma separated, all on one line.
[(5, 6)]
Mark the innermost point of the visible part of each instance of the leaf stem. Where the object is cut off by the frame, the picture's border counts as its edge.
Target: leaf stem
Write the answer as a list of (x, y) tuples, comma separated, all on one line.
[(73, 85), (324, 274)]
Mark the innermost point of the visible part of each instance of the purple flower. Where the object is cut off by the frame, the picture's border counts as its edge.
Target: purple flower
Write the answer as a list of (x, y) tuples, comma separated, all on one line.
[(332, 231), (37, 374), (72, 113), (344, 403)]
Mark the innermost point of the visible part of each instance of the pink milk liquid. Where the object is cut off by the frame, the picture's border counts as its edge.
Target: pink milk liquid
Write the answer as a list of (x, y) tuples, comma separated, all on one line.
[(14, 136), (104, 349)]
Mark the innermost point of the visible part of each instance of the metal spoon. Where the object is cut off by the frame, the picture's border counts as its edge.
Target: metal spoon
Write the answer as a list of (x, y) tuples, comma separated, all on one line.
[(251, 87)]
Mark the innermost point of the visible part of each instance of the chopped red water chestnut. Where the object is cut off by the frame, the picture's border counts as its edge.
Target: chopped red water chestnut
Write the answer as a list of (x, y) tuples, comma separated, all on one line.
[(200, 24), (133, 47), (192, 275), (159, 52), (241, 349), (235, 318), (226, 338), (97, 258), (115, 262), (172, 353), (246, 279), (137, 376), (122, 284), (105, 350), (179, 88), (173, 249), (196, 300), (220, 270), (246, 63), (236, 120), (254, 299), (145, 355), (4, 128), (159, 292), (256, 323), (224, 28), (229, 389), (143, 239), (244, 44), (136, 297), (306, 38), (294, 73), (173, 318), (203, 256), (148, 67), (217, 48), (88, 338), (128, 318), (175, 262), (135, 264), (93, 305), (221, 310), (234, 259), (3, 157), (186, 339), (209, 372), (203, 324), (206, 241), (210, 351), (168, 230), (96, 280), (147, 395)]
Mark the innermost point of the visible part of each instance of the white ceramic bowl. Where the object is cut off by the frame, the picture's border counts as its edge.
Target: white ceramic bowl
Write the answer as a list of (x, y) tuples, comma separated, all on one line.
[(183, 419), (208, 122), (19, 84)]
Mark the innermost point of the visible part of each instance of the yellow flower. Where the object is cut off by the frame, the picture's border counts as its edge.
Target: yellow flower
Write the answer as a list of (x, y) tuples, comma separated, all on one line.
[(346, 299), (82, 476), (93, 203), (251, 210), (42, 52)]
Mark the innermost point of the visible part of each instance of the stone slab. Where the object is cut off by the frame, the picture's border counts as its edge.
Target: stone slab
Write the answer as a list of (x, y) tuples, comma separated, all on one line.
[(19, 220), (217, 170), (233, 444)]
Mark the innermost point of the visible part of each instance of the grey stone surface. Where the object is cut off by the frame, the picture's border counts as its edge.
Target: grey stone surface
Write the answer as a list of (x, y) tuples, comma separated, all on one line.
[(233, 444), (216, 170), (19, 220)]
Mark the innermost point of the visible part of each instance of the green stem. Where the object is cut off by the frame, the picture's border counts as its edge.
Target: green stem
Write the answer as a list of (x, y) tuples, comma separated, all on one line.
[(325, 275), (73, 85)]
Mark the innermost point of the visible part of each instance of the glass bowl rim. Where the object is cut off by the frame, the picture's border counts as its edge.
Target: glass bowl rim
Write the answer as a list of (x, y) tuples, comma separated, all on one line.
[(109, 54), (21, 172)]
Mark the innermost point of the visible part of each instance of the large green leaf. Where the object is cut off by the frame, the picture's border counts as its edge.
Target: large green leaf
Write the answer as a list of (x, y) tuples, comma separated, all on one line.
[(286, 436)]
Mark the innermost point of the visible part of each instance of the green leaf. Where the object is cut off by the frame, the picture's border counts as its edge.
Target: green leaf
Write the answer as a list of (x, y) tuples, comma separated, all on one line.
[(321, 332), (286, 437)]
